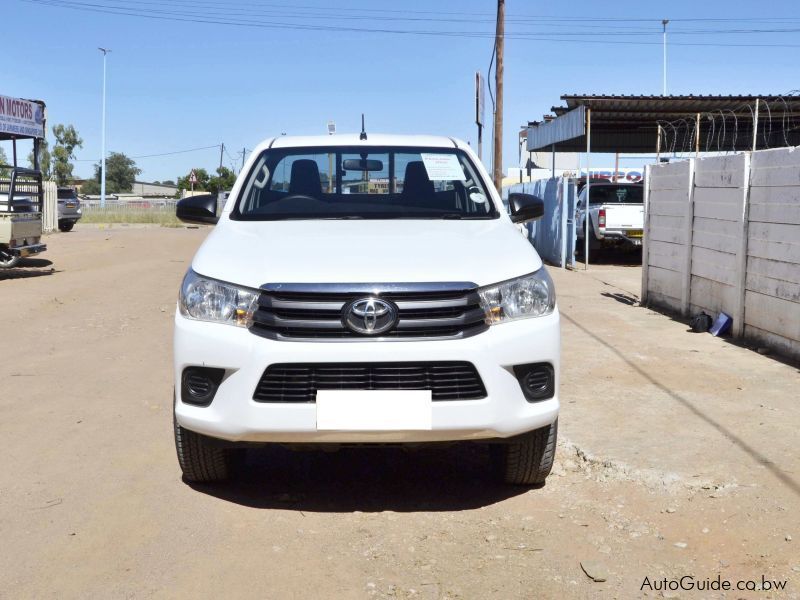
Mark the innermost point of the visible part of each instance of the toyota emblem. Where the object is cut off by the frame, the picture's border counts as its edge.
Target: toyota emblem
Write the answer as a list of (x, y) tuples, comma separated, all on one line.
[(370, 316)]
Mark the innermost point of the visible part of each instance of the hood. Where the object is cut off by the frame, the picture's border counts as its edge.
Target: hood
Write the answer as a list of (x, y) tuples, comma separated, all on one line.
[(254, 253)]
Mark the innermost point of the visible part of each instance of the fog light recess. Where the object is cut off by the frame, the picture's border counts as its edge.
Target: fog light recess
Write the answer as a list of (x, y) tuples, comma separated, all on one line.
[(537, 381), (199, 385)]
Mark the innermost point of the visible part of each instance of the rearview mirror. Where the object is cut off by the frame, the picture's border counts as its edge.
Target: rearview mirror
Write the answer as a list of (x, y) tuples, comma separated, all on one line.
[(364, 164), (198, 209), (525, 207)]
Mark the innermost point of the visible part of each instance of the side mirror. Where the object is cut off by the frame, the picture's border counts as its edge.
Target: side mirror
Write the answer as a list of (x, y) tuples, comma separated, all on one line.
[(525, 207), (198, 209)]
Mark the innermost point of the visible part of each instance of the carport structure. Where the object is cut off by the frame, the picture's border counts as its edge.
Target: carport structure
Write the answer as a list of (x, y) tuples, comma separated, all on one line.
[(667, 125)]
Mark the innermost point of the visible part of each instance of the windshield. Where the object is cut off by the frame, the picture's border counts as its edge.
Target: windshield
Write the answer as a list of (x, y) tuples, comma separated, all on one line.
[(365, 183), (615, 194)]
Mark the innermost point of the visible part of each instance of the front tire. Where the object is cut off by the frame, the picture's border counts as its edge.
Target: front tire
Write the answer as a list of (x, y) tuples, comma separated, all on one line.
[(200, 459), (527, 459), (65, 226), (8, 260)]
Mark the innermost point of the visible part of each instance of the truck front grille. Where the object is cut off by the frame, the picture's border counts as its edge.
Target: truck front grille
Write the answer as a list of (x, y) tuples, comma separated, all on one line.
[(318, 314), (290, 382)]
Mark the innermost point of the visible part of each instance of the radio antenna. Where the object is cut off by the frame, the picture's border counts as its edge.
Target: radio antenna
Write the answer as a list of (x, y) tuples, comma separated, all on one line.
[(363, 135)]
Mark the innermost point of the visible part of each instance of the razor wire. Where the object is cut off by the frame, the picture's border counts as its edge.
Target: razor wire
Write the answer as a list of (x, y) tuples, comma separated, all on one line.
[(719, 131)]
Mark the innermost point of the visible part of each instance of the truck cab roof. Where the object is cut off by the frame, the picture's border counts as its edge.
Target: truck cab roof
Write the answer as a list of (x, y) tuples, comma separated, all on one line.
[(353, 139)]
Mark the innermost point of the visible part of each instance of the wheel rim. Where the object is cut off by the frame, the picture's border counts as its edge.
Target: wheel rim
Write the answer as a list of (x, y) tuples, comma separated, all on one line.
[(6, 259)]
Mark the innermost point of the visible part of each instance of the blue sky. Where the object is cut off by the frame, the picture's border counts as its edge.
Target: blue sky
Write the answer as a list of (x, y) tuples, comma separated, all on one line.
[(178, 85)]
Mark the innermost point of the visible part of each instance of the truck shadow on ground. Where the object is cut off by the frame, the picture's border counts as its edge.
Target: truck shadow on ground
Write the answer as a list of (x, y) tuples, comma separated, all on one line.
[(28, 267), (450, 478)]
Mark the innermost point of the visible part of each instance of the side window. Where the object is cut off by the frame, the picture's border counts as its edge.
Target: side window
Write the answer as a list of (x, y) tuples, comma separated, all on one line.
[(311, 172)]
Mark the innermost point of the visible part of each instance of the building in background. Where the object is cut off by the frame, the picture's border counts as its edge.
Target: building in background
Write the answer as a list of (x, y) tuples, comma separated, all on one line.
[(142, 188)]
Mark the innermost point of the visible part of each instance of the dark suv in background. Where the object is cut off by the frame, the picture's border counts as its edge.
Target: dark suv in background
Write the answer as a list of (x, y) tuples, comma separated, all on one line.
[(69, 208)]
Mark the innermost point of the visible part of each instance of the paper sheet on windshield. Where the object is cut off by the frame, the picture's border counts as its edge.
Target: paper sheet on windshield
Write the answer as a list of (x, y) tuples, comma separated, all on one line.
[(443, 167)]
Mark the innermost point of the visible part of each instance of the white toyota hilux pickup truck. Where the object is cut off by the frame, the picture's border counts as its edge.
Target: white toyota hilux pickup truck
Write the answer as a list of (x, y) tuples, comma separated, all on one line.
[(616, 215), (365, 290)]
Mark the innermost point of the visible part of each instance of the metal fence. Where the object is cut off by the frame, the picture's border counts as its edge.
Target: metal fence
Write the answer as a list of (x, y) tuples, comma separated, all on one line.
[(156, 210), (553, 235)]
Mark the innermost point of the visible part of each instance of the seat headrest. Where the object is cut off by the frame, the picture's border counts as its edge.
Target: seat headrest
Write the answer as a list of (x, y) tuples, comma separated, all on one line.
[(305, 178), (417, 182)]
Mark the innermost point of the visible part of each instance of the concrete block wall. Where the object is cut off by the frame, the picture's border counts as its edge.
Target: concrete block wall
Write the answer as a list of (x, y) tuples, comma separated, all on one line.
[(722, 234)]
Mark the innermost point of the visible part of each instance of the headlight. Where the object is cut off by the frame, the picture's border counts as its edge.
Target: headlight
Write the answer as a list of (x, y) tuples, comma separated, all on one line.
[(211, 300), (529, 296)]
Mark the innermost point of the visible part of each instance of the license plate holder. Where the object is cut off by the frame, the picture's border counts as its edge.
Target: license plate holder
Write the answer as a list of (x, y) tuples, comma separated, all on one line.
[(374, 410)]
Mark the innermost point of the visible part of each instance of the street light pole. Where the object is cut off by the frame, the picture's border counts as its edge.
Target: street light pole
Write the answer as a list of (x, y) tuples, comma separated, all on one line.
[(105, 52), (664, 23)]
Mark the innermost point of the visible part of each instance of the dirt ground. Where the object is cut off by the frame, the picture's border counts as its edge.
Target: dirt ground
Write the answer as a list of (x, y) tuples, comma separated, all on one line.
[(678, 457)]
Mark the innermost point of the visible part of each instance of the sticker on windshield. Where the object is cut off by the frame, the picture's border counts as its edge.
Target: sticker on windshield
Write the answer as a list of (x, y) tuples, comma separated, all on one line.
[(443, 167)]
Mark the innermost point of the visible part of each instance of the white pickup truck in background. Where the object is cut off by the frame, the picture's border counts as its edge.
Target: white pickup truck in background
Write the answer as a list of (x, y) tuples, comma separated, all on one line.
[(616, 214)]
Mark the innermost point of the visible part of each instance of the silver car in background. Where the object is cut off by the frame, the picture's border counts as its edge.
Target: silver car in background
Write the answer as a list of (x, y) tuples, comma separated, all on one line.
[(69, 208)]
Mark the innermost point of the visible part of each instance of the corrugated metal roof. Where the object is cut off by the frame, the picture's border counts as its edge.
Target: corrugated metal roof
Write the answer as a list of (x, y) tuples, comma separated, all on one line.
[(629, 123)]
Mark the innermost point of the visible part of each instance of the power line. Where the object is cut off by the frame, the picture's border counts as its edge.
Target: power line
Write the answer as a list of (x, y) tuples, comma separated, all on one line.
[(166, 15), (228, 154), (176, 152), (328, 14), (154, 155), (211, 7), (336, 12)]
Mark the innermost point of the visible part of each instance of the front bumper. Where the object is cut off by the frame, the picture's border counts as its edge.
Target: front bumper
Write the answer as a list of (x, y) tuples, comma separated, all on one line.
[(235, 416)]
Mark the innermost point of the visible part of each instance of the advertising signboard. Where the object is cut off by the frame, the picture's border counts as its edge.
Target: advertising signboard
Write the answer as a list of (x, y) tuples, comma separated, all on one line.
[(23, 118)]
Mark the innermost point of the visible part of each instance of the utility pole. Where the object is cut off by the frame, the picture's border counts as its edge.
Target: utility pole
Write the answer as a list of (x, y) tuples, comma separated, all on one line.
[(105, 52), (479, 110), (244, 153), (221, 150), (664, 23), (498, 84)]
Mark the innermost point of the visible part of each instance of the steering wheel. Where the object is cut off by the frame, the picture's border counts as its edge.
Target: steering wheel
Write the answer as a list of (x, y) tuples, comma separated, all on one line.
[(299, 197)]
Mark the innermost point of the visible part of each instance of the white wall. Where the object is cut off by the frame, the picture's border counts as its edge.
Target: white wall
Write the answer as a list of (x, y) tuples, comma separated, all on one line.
[(153, 189), (723, 235), (50, 208)]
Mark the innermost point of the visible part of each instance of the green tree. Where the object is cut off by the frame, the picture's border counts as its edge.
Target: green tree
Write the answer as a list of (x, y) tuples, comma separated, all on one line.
[(222, 181), (44, 159), (67, 139), (3, 161), (121, 172), (91, 187)]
